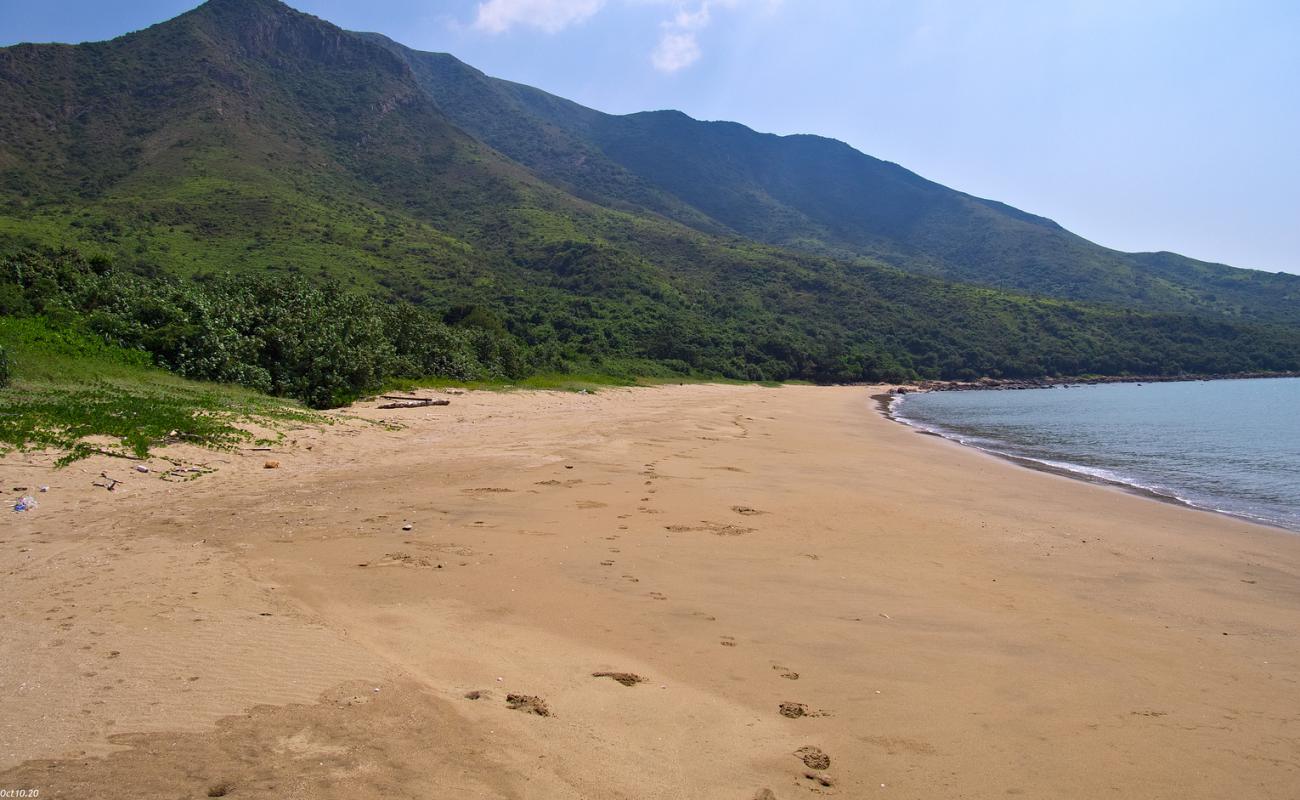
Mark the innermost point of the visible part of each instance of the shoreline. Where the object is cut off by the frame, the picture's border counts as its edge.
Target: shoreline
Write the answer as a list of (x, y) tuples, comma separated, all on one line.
[(655, 593), (884, 403), (1017, 384)]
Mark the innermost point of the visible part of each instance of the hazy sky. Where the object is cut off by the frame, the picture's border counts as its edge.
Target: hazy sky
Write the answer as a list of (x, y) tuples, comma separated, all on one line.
[(1139, 124)]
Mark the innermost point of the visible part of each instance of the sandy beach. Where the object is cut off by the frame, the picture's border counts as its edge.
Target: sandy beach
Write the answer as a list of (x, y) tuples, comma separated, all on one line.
[(790, 596)]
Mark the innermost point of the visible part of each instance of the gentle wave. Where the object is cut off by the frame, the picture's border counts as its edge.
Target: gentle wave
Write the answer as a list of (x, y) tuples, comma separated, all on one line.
[(1001, 449), (1238, 507)]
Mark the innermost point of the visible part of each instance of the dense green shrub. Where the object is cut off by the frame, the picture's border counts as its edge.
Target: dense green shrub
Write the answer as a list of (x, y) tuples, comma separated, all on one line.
[(281, 335), (325, 344)]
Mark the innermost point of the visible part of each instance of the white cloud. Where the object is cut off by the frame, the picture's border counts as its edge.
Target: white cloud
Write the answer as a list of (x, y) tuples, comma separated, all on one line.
[(679, 45), (497, 16), (676, 50), (679, 42)]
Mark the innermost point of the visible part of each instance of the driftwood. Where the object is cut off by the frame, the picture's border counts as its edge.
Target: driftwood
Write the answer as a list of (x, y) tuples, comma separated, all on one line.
[(111, 485), (413, 402), (114, 454), (409, 397)]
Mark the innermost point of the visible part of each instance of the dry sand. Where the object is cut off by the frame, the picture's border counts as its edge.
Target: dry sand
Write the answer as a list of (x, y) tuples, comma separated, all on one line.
[(806, 588)]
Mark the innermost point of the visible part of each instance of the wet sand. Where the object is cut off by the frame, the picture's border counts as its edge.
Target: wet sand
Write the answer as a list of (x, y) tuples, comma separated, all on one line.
[(785, 594)]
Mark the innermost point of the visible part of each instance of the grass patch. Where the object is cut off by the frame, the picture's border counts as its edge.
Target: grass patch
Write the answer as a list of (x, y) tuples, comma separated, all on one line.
[(73, 393)]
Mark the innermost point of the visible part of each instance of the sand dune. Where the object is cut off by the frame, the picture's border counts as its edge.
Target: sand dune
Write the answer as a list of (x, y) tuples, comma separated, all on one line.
[(679, 592)]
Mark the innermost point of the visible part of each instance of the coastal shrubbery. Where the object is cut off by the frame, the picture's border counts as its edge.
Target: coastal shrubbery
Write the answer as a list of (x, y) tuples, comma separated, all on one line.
[(590, 312), (280, 335), (75, 394)]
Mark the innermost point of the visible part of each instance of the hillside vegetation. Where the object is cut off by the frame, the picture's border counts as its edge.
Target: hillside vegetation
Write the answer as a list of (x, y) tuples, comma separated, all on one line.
[(325, 344)]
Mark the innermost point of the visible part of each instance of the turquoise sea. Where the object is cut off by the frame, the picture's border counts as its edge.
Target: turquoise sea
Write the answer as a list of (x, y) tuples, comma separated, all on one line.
[(1229, 445)]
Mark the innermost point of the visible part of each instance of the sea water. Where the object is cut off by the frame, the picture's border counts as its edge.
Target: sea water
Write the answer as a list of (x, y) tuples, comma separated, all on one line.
[(1228, 445)]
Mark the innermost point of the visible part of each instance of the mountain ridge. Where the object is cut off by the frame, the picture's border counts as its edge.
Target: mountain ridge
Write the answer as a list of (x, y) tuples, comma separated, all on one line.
[(952, 234)]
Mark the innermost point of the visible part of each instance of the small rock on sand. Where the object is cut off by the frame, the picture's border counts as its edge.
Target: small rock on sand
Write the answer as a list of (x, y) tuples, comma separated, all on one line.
[(271, 464)]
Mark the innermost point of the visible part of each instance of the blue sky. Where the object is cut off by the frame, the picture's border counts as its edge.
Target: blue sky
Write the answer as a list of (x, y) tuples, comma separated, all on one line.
[(1151, 125)]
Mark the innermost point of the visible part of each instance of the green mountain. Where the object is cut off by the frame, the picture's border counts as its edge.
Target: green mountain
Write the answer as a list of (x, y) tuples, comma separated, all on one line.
[(822, 196), (247, 139)]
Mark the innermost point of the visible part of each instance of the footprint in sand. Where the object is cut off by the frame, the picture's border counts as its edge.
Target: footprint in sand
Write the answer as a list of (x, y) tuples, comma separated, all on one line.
[(728, 641), (659, 596), (528, 703), (631, 579), (794, 710), (813, 757), (401, 559), (786, 672), (487, 490), (715, 528), (746, 511), (587, 504), (607, 563), (625, 678)]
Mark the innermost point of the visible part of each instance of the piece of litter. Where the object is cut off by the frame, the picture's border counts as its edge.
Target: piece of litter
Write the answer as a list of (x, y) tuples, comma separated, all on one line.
[(500, 679), (44, 489), (408, 526), (27, 503), (141, 468)]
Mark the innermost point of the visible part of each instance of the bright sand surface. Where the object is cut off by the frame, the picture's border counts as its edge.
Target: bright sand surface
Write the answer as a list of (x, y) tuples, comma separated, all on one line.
[(954, 626)]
